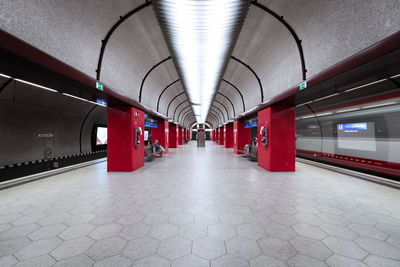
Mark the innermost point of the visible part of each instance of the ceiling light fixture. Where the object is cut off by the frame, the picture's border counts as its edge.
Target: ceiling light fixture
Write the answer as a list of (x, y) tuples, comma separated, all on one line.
[(5, 76), (201, 36), (37, 85), (380, 105)]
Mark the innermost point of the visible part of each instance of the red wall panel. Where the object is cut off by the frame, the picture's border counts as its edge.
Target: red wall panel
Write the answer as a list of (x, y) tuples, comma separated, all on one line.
[(161, 134), (122, 154), (228, 135), (173, 140), (280, 153), (180, 135), (241, 136), (221, 135)]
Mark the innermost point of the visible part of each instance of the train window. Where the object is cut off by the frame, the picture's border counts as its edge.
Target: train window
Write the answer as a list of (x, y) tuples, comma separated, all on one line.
[(358, 136)]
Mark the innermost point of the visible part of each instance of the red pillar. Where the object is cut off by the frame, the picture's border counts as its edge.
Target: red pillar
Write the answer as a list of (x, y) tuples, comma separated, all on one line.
[(188, 135), (241, 136), (180, 135), (173, 140), (213, 135), (122, 153), (280, 153), (161, 134), (228, 135), (221, 135)]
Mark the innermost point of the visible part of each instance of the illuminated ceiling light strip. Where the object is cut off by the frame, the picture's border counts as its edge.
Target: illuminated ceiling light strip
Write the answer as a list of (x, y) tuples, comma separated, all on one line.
[(37, 85), (82, 99), (97, 103), (324, 114), (395, 76), (325, 97), (379, 105), (365, 85), (347, 110), (5, 76), (201, 36), (307, 117)]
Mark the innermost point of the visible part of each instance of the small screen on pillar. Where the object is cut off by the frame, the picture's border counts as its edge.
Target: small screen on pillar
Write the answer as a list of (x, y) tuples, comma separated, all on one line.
[(101, 136), (146, 135)]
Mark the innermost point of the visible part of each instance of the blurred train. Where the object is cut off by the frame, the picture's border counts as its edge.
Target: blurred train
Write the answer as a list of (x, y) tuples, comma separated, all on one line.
[(363, 137)]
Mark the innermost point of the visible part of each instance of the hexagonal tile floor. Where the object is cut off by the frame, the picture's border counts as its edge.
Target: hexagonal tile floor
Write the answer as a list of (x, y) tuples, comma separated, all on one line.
[(200, 207)]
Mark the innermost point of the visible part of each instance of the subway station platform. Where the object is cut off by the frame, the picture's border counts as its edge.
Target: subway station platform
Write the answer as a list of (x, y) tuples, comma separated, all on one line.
[(200, 207)]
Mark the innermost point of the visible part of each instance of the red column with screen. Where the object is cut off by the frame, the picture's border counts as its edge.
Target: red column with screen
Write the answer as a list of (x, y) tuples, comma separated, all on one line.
[(241, 136), (173, 140), (161, 134), (123, 154), (280, 153), (228, 132)]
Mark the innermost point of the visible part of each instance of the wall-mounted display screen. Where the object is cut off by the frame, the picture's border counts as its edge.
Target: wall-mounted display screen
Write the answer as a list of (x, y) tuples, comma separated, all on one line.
[(101, 136), (358, 136), (146, 135)]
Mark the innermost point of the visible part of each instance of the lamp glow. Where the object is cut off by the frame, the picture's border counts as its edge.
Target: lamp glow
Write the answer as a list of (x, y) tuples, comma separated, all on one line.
[(201, 36)]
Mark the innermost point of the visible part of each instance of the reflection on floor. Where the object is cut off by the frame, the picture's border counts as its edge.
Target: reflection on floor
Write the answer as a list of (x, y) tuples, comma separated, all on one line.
[(200, 207)]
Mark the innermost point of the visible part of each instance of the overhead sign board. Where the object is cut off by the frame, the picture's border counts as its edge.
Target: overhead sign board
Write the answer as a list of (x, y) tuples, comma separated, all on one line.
[(251, 124), (150, 124)]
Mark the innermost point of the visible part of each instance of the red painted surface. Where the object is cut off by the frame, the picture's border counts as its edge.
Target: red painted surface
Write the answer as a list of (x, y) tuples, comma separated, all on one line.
[(228, 135), (161, 134), (280, 153), (362, 163), (173, 140), (241, 136), (213, 135), (221, 135), (122, 154), (180, 135)]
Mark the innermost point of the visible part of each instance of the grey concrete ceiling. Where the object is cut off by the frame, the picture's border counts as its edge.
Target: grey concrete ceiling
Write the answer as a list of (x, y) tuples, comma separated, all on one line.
[(72, 32)]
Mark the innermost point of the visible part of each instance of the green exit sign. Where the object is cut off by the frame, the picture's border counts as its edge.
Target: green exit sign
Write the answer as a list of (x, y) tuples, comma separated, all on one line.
[(99, 86), (303, 85)]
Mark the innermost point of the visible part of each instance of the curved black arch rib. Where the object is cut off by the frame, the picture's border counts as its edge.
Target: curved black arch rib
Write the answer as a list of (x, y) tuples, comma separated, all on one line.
[(291, 30), (162, 92), (240, 93), (223, 117), (83, 124), (214, 117), (180, 112), (227, 113), (176, 108), (169, 104), (185, 114), (188, 118), (255, 74), (111, 31), (233, 106), (191, 116), (147, 74)]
